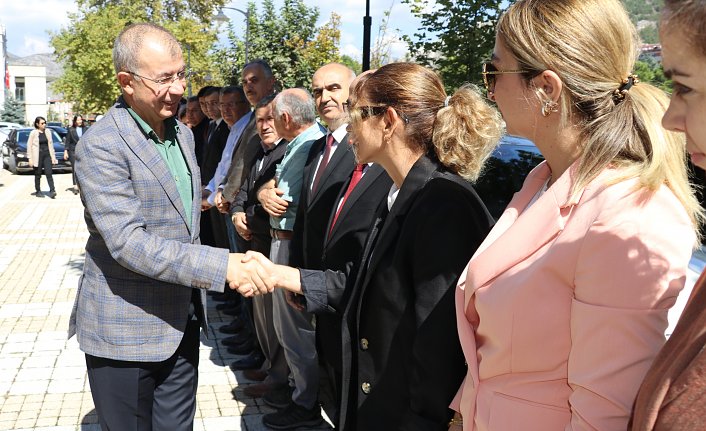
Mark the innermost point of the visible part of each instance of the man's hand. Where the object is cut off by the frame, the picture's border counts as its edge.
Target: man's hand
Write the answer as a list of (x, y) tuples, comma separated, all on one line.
[(248, 276), (66, 155), (271, 201), (205, 206), (221, 203), (240, 222), (295, 301)]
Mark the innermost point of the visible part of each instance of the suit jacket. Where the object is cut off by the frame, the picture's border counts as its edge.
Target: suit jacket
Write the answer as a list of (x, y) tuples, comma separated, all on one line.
[(401, 356), (673, 394), (33, 146), (343, 248), (243, 158), (246, 200), (72, 138), (213, 152), (563, 307), (310, 226), (142, 257), (200, 132)]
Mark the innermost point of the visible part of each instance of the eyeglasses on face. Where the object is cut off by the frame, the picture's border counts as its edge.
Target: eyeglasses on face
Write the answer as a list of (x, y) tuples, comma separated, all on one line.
[(360, 113), (231, 105), (489, 73), (182, 75)]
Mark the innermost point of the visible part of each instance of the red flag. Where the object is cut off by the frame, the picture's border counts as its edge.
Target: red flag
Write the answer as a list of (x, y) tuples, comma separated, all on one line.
[(7, 77)]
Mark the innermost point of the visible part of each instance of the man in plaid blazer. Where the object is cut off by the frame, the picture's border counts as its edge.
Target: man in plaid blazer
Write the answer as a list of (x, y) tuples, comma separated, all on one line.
[(141, 298)]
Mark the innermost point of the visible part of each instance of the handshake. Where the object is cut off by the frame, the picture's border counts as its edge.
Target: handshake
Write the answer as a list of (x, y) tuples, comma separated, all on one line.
[(251, 273)]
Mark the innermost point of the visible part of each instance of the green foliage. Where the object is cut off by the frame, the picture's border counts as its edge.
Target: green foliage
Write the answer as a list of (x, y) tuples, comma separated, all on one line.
[(455, 37), (650, 70), (352, 63), (13, 110), (287, 39), (85, 45), (649, 34), (643, 10)]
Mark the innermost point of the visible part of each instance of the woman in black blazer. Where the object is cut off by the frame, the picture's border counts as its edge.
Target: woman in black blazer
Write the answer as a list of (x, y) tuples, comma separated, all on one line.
[(75, 133), (402, 360)]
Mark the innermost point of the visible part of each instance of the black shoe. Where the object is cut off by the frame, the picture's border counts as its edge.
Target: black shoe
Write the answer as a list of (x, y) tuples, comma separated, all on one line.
[(38, 194), (293, 416), (248, 363), (52, 194), (75, 190), (279, 398), (246, 348), (238, 339), (233, 327)]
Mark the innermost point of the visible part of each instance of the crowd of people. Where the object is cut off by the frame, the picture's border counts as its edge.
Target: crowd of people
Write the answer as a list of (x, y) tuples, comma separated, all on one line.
[(339, 226)]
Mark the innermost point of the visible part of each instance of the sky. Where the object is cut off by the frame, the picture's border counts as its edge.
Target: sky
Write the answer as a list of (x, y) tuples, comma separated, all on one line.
[(28, 22)]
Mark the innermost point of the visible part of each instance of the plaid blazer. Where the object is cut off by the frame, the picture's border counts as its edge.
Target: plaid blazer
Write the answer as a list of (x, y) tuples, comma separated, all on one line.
[(142, 257)]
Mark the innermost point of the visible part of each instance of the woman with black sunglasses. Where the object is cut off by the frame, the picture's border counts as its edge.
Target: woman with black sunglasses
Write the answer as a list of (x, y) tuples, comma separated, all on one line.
[(40, 151), (402, 360), (564, 306)]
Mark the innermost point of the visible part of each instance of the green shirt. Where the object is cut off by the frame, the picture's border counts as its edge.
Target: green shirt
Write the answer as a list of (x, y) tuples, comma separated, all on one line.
[(173, 157)]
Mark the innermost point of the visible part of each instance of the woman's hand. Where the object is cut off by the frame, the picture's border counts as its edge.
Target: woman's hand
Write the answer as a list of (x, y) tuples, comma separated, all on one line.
[(456, 423)]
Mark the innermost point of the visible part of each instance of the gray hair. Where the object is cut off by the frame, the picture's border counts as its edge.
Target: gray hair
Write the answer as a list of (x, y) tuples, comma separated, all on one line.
[(298, 104), (266, 69), (128, 45)]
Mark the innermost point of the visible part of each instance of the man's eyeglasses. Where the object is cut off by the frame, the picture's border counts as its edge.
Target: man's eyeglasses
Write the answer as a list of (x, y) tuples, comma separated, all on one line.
[(231, 105), (489, 73), (169, 80)]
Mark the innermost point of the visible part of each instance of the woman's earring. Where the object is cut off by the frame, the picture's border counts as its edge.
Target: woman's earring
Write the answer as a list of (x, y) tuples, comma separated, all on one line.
[(548, 107)]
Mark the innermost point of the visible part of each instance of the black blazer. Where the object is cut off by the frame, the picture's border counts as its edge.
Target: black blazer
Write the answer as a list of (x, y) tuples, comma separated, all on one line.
[(72, 138), (246, 199), (213, 152), (200, 132), (402, 360), (311, 223)]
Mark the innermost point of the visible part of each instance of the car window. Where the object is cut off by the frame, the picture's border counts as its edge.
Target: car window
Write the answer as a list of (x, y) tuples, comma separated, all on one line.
[(23, 135)]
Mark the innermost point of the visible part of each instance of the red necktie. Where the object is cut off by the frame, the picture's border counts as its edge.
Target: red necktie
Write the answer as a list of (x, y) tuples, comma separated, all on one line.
[(355, 179), (323, 164)]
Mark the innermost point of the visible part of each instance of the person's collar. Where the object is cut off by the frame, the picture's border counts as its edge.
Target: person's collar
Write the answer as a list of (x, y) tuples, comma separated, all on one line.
[(340, 133), (243, 121), (269, 150), (170, 124)]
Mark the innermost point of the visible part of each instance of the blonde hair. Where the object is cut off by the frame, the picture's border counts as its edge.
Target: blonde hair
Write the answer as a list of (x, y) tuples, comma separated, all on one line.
[(461, 131), (592, 46)]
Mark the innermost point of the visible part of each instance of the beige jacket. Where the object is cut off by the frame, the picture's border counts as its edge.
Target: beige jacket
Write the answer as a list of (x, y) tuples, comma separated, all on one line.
[(33, 147)]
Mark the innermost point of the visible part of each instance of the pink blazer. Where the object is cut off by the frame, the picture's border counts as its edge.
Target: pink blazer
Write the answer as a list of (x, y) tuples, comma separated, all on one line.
[(563, 307)]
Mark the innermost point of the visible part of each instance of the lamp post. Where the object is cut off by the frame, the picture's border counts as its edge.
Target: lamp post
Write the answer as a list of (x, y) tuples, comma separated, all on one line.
[(221, 17), (367, 24)]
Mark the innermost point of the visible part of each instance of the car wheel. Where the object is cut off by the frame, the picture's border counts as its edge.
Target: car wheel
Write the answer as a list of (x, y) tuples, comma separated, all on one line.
[(12, 164)]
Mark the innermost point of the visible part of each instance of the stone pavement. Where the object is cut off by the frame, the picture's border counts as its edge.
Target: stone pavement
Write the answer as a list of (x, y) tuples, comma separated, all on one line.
[(43, 383)]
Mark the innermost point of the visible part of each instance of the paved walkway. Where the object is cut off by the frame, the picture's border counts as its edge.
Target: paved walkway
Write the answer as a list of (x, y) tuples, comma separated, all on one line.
[(43, 384)]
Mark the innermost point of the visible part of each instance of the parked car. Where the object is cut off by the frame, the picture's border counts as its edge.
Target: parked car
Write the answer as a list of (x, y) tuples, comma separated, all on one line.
[(505, 171), (4, 125), (61, 130), (14, 151)]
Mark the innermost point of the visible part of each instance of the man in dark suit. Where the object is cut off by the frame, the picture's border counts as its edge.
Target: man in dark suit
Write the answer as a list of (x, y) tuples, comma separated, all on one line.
[(215, 144), (199, 122), (320, 244), (141, 298), (252, 223)]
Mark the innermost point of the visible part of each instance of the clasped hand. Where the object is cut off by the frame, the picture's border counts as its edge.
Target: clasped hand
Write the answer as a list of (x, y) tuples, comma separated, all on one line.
[(251, 274)]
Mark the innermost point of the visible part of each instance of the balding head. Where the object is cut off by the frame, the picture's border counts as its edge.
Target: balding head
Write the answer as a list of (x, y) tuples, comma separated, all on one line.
[(127, 49), (330, 86), (294, 112)]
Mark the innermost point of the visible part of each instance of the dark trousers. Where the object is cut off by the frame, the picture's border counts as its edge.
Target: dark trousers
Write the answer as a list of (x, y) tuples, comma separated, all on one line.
[(71, 160), (146, 396), (44, 162)]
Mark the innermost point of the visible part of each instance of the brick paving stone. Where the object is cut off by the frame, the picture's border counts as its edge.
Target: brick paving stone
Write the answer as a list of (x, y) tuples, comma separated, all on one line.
[(43, 383)]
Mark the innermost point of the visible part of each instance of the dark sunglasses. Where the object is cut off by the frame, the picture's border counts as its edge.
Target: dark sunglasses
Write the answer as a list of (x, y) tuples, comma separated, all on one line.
[(489, 73)]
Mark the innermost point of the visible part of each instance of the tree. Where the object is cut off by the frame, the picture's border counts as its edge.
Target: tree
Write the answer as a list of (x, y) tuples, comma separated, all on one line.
[(352, 63), (455, 37), (648, 69), (85, 45), (13, 111), (288, 39)]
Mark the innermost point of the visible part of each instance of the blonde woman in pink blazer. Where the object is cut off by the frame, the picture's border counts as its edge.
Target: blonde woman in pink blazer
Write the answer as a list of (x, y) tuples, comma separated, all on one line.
[(564, 305)]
